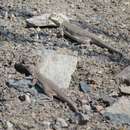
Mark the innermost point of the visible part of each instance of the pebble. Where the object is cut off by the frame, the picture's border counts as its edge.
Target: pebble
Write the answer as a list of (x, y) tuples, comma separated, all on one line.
[(83, 119), (125, 90), (84, 101), (9, 125), (86, 108), (79, 118), (60, 123), (114, 94), (46, 125), (85, 87), (99, 108), (107, 100)]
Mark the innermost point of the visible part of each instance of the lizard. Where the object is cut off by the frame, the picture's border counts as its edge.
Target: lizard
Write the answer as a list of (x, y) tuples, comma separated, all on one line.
[(52, 90), (78, 34), (48, 86)]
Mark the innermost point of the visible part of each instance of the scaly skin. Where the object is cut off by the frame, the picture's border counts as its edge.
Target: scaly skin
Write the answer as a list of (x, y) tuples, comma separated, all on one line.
[(50, 88)]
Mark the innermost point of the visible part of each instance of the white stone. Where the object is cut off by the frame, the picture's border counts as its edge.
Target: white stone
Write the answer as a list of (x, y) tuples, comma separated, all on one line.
[(57, 67), (9, 125), (125, 90), (61, 122)]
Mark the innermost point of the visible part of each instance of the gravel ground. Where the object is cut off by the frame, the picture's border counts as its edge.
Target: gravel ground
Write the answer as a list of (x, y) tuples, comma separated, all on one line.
[(108, 19)]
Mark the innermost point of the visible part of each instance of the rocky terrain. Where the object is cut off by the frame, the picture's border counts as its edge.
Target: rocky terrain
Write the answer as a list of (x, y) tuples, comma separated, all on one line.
[(101, 97)]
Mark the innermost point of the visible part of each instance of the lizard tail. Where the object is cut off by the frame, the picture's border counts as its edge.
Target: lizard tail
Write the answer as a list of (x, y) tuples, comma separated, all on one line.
[(69, 102)]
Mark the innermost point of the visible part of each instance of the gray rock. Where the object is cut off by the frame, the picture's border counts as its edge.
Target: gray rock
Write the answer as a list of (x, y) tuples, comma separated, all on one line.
[(28, 92), (124, 75), (57, 66), (114, 94), (79, 118), (41, 21), (84, 118), (86, 108), (22, 85), (125, 90), (46, 125), (59, 124), (85, 87), (107, 100), (119, 112)]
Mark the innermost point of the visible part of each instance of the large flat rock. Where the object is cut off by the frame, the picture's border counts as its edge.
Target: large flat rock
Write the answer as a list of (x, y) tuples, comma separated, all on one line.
[(58, 67), (119, 112)]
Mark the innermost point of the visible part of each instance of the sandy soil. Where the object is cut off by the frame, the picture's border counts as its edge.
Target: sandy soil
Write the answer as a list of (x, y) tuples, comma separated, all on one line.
[(108, 19)]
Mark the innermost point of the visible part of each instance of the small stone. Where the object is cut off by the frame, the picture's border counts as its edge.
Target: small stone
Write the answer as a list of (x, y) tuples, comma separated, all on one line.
[(72, 5), (46, 125), (62, 122), (83, 118), (85, 87), (84, 101), (119, 112), (114, 94), (79, 118), (6, 15), (125, 90), (13, 18), (99, 108), (107, 100), (86, 108), (9, 125)]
